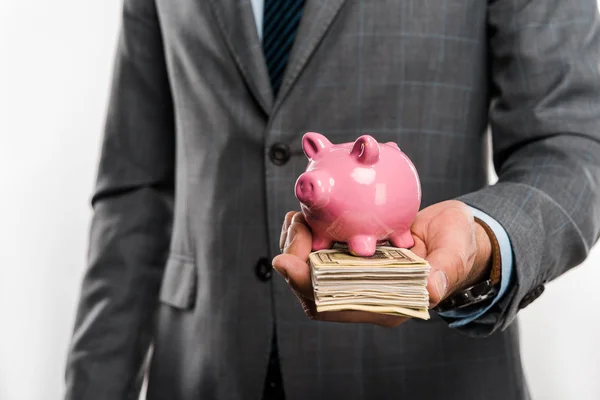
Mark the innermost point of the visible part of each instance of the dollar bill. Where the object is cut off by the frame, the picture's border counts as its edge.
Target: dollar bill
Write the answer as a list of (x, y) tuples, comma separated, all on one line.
[(384, 255)]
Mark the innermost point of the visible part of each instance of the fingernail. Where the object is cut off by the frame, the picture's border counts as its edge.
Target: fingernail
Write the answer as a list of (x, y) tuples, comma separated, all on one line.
[(290, 237), (441, 283)]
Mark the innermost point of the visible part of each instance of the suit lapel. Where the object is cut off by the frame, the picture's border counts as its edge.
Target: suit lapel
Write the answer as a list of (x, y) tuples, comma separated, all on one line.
[(316, 19), (236, 21)]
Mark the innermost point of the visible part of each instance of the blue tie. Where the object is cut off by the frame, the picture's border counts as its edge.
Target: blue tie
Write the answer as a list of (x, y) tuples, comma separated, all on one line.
[(280, 22)]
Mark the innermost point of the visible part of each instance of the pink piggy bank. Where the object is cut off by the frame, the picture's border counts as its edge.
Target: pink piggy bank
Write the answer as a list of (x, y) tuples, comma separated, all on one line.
[(363, 194)]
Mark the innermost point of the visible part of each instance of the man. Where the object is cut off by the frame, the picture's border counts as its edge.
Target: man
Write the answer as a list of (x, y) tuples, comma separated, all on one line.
[(202, 149)]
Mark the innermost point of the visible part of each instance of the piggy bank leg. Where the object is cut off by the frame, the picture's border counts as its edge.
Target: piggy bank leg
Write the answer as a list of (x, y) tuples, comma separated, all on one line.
[(321, 243), (403, 240), (362, 245)]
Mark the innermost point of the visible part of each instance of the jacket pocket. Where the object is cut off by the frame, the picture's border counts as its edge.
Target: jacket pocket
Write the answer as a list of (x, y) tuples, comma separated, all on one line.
[(179, 283)]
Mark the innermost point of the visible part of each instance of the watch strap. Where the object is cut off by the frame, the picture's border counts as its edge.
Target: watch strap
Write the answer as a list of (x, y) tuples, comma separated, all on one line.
[(496, 269)]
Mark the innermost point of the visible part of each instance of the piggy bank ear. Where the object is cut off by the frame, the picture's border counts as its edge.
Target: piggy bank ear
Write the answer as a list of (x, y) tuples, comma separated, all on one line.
[(313, 143), (366, 150)]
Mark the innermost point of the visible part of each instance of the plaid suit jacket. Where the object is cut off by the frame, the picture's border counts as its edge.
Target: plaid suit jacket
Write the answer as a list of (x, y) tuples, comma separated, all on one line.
[(188, 204)]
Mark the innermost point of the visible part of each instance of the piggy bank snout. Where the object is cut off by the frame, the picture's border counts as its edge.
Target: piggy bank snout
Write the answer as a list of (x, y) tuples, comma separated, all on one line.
[(312, 190), (305, 189)]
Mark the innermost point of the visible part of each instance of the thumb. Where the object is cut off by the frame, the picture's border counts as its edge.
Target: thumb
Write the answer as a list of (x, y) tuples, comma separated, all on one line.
[(446, 269)]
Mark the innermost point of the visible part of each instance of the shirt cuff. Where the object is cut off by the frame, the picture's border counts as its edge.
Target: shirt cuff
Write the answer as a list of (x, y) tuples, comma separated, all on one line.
[(462, 317)]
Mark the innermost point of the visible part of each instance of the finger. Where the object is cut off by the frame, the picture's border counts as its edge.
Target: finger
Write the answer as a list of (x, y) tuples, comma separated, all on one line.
[(287, 221), (450, 252), (296, 272), (299, 239), (447, 268), (298, 217)]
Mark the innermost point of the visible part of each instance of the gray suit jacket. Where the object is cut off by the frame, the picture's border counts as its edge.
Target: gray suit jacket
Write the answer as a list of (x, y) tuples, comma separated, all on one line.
[(188, 204)]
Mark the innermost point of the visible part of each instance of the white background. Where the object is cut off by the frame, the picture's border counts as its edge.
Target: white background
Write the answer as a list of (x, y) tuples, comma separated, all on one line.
[(55, 68)]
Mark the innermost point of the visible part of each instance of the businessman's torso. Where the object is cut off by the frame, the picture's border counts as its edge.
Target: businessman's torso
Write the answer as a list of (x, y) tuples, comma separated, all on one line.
[(412, 72)]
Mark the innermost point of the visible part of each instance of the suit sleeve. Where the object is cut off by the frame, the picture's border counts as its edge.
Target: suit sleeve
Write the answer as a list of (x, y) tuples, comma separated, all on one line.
[(545, 123), (132, 216)]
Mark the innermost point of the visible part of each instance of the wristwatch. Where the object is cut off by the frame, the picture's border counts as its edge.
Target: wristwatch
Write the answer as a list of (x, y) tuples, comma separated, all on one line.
[(481, 291)]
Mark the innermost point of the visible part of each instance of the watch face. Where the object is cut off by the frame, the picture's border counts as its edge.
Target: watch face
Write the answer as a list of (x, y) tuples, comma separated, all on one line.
[(469, 296)]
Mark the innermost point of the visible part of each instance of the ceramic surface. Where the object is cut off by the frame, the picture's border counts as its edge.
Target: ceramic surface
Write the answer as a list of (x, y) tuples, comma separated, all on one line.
[(362, 193)]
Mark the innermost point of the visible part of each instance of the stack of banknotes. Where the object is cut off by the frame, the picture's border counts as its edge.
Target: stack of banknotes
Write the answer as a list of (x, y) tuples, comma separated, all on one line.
[(392, 281)]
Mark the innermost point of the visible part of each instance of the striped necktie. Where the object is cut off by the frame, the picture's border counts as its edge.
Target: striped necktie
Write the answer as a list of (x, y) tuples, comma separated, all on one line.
[(280, 22)]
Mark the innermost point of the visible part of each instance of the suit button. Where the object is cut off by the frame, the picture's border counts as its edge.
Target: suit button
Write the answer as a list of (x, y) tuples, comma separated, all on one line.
[(527, 299), (538, 291), (279, 153), (263, 270), (531, 296)]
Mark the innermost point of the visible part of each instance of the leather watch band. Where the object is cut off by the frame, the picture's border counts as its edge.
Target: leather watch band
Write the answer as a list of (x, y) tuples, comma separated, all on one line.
[(496, 270)]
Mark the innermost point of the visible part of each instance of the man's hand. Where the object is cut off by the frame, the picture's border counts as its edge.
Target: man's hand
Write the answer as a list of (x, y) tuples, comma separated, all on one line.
[(458, 250)]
